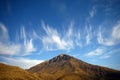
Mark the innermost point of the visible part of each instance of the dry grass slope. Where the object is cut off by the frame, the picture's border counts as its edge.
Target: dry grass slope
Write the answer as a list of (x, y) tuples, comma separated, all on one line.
[(15, 73)]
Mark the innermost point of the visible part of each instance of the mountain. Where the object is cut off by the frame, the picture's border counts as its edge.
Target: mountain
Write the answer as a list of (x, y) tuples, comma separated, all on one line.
[(65, 67), (8, 72), (61, 67)]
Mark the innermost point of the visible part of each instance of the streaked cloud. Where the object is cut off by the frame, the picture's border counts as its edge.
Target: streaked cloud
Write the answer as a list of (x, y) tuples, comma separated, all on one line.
[(78, 39), (105, 56), (92, 12), (116, 32), (89, 35), (28, 43), (68, 40), (29, 47), (24, 63), (104, 41), (53, 40), (3, 33), (7, 48), (114, 36), (96, 52), (10, 49), (110, 52)]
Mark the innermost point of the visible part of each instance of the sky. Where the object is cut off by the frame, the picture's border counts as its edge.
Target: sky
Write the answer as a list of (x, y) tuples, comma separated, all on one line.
[(32, 31)]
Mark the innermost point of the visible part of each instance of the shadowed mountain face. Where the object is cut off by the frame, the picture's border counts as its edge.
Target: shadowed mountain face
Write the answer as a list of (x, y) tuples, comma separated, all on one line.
[(65, 67)]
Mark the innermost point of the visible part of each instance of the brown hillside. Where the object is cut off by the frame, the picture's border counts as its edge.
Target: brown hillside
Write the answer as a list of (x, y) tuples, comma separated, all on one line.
[(65, 67), (15, 73)]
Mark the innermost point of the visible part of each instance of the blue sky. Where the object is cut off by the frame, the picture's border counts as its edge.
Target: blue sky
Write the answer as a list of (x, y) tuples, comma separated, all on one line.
[(32, 31)]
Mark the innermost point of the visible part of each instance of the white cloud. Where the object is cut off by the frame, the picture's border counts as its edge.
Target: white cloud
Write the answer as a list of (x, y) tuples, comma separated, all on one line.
[(89, 35), (3, 33), (96, 52), (53, 40), (78, 39), (70, 31), (104, 41), (23, 34), (29, 46), (21, 62), (105, 56), (35, 35), (28, 43), (9, 49), (116, 32), (92, 12), (114, 36), (114, 51), (69, 39), (88, 38), (110, 52)]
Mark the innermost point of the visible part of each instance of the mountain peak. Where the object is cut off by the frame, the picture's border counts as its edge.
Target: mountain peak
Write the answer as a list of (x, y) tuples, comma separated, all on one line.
[(61, 57), (65, 67)]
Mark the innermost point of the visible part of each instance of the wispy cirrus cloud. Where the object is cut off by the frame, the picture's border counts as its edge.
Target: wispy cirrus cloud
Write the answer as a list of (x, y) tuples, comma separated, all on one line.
[(12, 48), (53, 40), (105, 56), (29, 47), (7, 48), (110, 52), (28, 43), (3, 33), (116, 32), (68, 40), (89, 35), (114, 36), (92, 12), (97, 52), (78, 40), (16, 49), (103, 52)]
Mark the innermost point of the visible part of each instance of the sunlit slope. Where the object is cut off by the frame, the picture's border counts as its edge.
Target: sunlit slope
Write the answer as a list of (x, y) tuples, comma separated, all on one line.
[(15, 73)]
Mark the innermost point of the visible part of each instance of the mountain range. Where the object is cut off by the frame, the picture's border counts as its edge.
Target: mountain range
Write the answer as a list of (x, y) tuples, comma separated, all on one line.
[(61, 67)]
